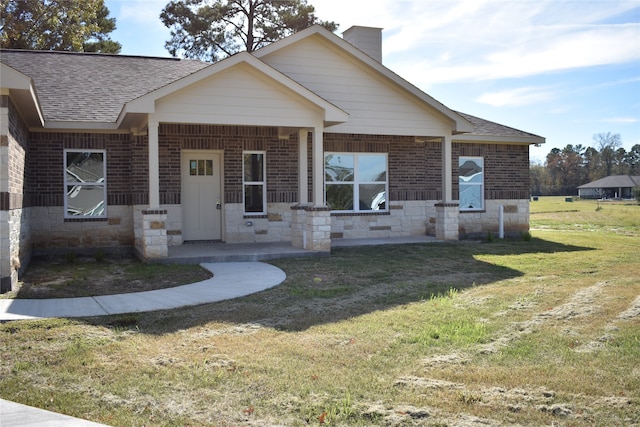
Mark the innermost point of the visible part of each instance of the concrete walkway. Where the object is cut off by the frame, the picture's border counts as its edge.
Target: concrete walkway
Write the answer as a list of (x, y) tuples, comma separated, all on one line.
[(230, 280), (17, 415)]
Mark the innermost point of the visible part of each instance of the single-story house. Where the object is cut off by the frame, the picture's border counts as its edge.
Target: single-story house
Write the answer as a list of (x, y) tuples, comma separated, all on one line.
[(307, 140), (610, 187)]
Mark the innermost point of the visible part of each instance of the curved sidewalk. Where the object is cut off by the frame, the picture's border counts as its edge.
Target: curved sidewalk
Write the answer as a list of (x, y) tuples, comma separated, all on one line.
[(230, 280)]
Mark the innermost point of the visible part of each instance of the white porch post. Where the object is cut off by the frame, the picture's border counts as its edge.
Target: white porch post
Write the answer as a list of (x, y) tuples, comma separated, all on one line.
[(447, 210), (313, 221), (154, 166), (447, 184), (151, 226), (318, 166), (303, 170)]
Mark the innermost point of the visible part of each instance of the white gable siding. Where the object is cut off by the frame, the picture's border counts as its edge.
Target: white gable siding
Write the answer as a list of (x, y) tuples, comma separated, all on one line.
[(238, 96), (375, 106)]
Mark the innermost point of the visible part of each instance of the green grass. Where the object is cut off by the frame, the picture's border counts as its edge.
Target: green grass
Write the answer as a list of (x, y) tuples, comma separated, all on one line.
[(516, 332)]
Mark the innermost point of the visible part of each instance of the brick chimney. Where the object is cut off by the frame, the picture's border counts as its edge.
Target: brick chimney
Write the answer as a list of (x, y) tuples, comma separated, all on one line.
[(367, 39)]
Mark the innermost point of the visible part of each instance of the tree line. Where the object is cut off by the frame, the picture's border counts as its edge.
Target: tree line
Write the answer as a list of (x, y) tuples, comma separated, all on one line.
[(208, 30), (566, 169)]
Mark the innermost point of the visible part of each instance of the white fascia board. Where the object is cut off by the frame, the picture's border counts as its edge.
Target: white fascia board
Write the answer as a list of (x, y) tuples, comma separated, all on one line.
[(461, 124), (489, 139), (80, 126), (22, 89), (146, 103)]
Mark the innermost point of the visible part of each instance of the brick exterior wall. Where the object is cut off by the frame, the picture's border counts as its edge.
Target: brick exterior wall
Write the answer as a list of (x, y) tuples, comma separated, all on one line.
[(414, 176), (414, 167), (46, 165), (282, 158), (506, 169)]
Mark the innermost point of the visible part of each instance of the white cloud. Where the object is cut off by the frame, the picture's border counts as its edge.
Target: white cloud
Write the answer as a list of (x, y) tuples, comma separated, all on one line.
[(432, 42), (516, 97), (621, 120)]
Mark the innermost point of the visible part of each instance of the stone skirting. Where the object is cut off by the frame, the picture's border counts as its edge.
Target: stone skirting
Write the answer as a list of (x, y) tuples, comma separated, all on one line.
[(311, 228), (447, 221), (15, 247), (151, 234), (478, 224), (404, 218)]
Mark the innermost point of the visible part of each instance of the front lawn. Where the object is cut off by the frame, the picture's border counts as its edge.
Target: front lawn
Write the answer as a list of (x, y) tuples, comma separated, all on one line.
[(514, 332)]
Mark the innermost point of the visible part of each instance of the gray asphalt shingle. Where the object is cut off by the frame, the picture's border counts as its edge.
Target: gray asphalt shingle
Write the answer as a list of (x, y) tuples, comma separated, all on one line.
[(88, 87), (93, 87)]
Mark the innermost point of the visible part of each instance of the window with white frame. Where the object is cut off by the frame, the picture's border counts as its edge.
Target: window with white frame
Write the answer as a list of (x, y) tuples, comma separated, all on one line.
[(356, 182), (254, 182), (85, 183), (471, 183)]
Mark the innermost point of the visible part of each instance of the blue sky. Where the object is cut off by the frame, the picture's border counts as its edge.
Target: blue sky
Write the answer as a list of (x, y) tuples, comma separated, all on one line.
[(564, 70)]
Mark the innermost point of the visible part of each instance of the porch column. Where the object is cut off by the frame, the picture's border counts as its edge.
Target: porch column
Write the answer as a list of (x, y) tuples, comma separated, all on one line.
[(154, 166), (447, 183), (298, 212), (316, 232), (447, 210), (318, 167), (150, 227), (303, 170)]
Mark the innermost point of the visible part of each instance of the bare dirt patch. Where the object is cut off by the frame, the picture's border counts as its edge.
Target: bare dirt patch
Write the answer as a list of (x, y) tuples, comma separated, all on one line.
[(83, 277)]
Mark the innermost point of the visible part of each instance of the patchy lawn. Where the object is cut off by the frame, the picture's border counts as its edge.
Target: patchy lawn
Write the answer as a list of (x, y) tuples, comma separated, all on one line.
[(529, 333), (63, 277)]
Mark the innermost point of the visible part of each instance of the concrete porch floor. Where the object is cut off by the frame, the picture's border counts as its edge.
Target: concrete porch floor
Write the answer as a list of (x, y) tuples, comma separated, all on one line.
[(196, 253)]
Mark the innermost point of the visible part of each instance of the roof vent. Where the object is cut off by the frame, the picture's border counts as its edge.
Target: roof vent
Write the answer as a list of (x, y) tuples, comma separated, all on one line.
[(367, 39)]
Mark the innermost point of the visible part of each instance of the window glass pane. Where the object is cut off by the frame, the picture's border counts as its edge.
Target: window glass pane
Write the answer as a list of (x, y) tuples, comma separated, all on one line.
[(209, 167), (84, 167), (200, 167), (470, 197), (340, 197), (253, 167), (372, 168), (253, 200), (193, 167), (86, 200), (338, 168), (470, 170), (372, 197)]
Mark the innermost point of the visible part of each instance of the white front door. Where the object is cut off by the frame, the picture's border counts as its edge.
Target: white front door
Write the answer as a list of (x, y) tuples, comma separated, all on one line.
[(201, 195)]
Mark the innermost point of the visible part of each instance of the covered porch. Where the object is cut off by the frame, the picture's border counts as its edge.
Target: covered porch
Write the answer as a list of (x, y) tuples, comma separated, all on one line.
[(251, 252)]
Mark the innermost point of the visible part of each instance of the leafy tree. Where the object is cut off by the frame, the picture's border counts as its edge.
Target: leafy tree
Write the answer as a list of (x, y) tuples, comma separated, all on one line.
[(69, 25), (631, 160), (608, 143), (214, 29)]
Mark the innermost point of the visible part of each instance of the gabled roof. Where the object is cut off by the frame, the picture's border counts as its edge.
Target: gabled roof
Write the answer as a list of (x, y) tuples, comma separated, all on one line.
[(92, 91), (461, 124), (146, 103), (87, 87), (614, 181)]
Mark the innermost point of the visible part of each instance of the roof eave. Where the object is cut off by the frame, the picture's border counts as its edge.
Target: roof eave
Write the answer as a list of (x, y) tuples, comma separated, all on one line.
[(529, 140), (23, 92)]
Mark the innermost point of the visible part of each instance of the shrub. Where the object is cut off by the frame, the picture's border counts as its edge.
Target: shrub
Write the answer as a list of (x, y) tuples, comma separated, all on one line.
[(636, 193)]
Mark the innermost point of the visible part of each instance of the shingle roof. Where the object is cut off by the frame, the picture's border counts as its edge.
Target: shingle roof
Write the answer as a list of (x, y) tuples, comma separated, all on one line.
[(93, 87), (488, 128), (89, 87), (614, 181)]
